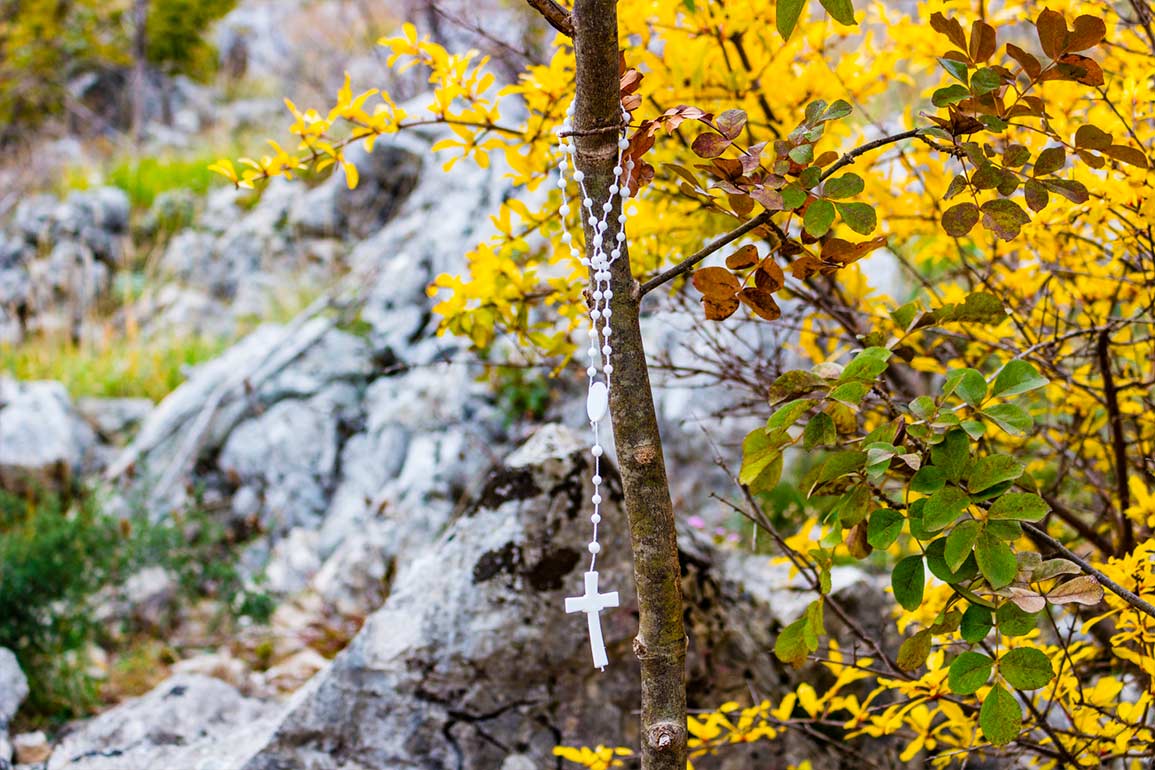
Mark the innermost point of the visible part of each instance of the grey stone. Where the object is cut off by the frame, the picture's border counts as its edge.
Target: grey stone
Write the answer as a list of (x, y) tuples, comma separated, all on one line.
[(188, 722), (114, 419), (13, 687), (34, 216), (44, 443)]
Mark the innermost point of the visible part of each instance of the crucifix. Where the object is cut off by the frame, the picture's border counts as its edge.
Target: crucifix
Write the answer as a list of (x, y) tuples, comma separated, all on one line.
[(592, 603)]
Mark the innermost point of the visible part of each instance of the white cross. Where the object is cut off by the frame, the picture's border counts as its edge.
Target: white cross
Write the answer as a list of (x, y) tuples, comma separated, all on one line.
[(592, 603)]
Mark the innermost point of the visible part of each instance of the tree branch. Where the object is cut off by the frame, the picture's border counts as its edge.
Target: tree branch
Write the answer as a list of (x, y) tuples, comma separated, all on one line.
[(1128, 596), (687, 264), (1126, 533), (558, 17)]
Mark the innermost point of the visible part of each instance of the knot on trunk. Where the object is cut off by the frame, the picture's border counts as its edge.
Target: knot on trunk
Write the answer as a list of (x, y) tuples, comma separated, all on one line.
[(662, 736)]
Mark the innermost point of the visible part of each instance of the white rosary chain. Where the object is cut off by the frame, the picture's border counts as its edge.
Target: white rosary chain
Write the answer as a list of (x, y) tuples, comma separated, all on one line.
[(600, 349)]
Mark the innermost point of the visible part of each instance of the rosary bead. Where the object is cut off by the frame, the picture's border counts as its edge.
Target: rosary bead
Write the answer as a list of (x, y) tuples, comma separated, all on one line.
[(598, 294), (607, 313), (621, 219), (607, 206), (614, 190), (596, 518), (602, 226), (564, 210), (566, 238), (579, 176), (595, 314), (608, 293), (596, 450), (585, 260), (593, 220), (629, 165), (623, 144), (615, 253), (607, 331), (561, 183), (595, 547), (593, 333), (597, 241), (592, 372), (608, 368), (596, 480), (618, 170), (593, 352), (596, 499)]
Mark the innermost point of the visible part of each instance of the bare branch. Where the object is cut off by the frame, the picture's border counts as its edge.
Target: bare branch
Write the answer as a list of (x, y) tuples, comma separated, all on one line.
[(557, 16)]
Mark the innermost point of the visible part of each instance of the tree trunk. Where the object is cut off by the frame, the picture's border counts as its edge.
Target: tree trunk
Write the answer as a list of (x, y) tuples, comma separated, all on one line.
[(140, 66), (661, 640)]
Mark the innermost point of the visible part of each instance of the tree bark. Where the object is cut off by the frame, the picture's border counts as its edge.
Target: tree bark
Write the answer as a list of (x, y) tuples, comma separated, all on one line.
[(661, 641), (140, 66)]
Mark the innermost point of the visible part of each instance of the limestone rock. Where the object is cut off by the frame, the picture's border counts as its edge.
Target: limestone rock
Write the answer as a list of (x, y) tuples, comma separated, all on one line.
[(31, 748), (188, 722), (44, 443)]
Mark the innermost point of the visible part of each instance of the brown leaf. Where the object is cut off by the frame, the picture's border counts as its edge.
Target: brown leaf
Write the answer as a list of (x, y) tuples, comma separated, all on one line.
[(741, 204), (631, 80), (960, 219), (1125, 154), (983, 41), (856, 541), (1052, 29), (752, 158), (761, 302), (950, 28), (709, 145), (771, 200), (769, 276), (1081, 590), (719, 308), (1027, 61), (1025, 599), (731, 123), (1092, 137), (715, 282), (745, 257), (844, 252), (825, 159), (1089, 31), (1079, 68), (805, 266)]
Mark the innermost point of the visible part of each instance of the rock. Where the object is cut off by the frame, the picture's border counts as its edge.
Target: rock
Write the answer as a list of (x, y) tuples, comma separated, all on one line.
[(114, 419), (44, 443), (34, 216), (31, 748), (472, 654), (13, 687), (293, 563), (188, 722), (354, 581), (292, 673), (222, 665)]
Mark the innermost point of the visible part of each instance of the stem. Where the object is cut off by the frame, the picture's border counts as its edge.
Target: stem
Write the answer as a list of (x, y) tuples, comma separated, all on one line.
[(1128, 596), (1126, 541), (557, 16), (661, 641)]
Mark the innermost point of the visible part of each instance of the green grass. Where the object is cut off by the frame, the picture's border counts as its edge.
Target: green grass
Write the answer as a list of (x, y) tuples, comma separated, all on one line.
[(118, 366), (145, 178)]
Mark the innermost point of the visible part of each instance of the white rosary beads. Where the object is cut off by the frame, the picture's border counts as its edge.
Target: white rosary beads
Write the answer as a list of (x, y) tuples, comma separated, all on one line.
[(600, 349)]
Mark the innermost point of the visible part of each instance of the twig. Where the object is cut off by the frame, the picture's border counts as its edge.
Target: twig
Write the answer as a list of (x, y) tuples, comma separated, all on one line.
[(687, 264), (1118, 442), (1128, 596), (558, 17)]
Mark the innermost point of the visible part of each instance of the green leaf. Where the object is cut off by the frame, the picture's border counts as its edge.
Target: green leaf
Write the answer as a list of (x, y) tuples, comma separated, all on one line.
[(968, 383), (978, 307), (793, 196), (956, 68), (839, 108), (960, 542), (968, 672), (994, 469), (786, 415), (1011, 418), (952, 454), (1012, 621), (867, 365), (1017, 377), (985, 80), (1000, 717), (884, 528), (787, 14), (820, 431), (793, 384), (853, 506), (936, 563), (791, 645), (839, 464), (952, 94), (913, 652), (840, 10), (996, 560), (973, 428), (859, 217), (802, 154), (845, 186), (960, 218), (1021, 506), (944, 507), (759, 452), (818, 218), (1026, 668), (976, 623), (908, 580), (850, 392)]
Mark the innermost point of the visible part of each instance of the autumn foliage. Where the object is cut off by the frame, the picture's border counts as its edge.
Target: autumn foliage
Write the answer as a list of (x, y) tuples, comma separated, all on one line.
[(982, 434)]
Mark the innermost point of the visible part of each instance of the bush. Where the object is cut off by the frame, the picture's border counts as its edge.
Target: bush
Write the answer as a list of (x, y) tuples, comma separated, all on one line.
[(56, 555)]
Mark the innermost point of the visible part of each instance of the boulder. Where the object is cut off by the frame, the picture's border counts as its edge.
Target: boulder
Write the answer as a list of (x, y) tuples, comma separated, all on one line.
[(188, 722), (13, 691), (114, 419), (44, 443), (31, 748)]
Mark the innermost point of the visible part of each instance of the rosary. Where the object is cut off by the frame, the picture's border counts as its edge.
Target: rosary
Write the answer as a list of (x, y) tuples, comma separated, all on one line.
[(600, 350)]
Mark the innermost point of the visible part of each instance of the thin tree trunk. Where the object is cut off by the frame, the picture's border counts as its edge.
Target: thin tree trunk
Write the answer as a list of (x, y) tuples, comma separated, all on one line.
[(140, 64), (661, 640)]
